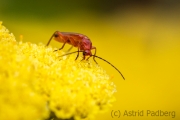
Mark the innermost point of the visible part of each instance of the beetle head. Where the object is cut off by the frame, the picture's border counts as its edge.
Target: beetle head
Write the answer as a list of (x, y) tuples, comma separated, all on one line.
[(87, 53)]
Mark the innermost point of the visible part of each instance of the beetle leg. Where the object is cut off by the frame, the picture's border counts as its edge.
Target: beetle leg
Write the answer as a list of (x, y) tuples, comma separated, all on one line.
[(61, 47), (50, 38), (70, 48), (77, 54), (94, 54)]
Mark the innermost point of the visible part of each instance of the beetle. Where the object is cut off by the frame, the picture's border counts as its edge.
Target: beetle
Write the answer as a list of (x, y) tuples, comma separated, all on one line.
[(82, 42)]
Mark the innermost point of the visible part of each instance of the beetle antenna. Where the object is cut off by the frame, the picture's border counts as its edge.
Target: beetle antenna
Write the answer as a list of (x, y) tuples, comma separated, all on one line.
[(99, 58), (110, 64)]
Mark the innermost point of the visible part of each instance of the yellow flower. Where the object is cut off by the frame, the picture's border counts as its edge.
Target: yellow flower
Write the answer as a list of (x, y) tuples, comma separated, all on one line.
[(37, 84)]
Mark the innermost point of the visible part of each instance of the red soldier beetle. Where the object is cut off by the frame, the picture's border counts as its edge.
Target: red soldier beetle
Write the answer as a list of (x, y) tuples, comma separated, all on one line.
[(82, 42)]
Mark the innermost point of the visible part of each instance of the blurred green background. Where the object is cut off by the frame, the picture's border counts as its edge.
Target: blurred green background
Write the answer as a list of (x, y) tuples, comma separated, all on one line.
[(140, 37)]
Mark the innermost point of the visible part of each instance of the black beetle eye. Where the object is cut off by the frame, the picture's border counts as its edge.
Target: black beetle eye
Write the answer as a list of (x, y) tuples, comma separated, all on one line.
[(84, 53), (56, 35)]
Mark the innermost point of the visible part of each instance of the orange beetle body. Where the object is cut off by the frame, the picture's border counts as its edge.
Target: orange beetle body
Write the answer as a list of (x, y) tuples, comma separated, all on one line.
[(80, 41)]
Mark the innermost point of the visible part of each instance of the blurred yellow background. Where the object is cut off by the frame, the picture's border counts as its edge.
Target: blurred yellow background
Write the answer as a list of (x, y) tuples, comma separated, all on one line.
[(141, 38)]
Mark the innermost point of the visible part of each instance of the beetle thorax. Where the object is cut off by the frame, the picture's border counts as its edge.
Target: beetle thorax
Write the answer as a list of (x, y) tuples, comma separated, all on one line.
[(85, 44)]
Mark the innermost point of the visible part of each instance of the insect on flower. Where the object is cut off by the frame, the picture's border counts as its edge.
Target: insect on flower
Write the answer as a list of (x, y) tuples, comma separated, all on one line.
[(82, 42)]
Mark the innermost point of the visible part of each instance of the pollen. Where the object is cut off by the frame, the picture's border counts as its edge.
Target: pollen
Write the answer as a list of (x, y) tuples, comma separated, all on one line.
[(37, 84)]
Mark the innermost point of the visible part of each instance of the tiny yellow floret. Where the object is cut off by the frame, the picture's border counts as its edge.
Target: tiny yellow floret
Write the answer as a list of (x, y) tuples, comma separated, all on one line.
[(37, 84)]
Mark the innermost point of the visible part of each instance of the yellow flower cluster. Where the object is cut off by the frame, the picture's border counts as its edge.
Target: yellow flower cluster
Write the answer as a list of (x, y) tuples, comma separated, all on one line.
[(37, 84)]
